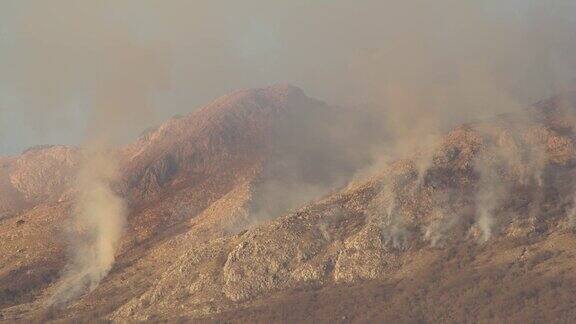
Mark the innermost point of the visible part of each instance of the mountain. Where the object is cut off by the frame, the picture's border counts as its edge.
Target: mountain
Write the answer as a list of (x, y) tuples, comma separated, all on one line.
[(249, 210), (183, 176), (337, 260)]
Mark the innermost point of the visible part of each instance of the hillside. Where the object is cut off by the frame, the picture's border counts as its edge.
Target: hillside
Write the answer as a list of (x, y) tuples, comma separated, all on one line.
[(478, 228)]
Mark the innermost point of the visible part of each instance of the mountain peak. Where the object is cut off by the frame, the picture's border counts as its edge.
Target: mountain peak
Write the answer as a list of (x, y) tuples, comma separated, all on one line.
[(284, 89), (274, 96)]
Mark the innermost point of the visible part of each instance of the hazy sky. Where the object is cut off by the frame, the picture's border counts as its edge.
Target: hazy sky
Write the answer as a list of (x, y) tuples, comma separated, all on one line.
[(63, 63)]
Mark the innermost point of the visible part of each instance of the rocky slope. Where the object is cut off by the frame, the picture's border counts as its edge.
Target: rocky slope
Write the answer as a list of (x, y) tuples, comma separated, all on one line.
[(478, 228), (402, 246)]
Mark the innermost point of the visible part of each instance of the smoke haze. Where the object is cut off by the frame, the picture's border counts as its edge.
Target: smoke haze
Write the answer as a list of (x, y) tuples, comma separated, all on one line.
[(453, 60), (101, 71), (96, 73)]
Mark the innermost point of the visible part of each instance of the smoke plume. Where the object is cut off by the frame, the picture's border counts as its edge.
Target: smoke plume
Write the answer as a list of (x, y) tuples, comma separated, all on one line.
[(112, 78), (96, 227)]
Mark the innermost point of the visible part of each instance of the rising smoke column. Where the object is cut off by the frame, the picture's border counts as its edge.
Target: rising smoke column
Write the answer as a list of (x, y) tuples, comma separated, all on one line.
[(97, 223), (513, 158), (115, 77)]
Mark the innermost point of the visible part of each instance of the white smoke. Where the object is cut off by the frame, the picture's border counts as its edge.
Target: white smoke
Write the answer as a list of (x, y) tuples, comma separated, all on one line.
[(510, 159), (444, 217), (385, 212), (486, 219), (95, 228)]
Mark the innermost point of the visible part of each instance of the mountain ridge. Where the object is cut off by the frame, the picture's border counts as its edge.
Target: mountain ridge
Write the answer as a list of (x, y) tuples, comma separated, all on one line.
[(427, 225)]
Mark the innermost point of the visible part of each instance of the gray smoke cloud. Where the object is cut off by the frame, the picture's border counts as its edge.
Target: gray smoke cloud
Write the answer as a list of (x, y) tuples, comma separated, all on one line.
[(450, 61)]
